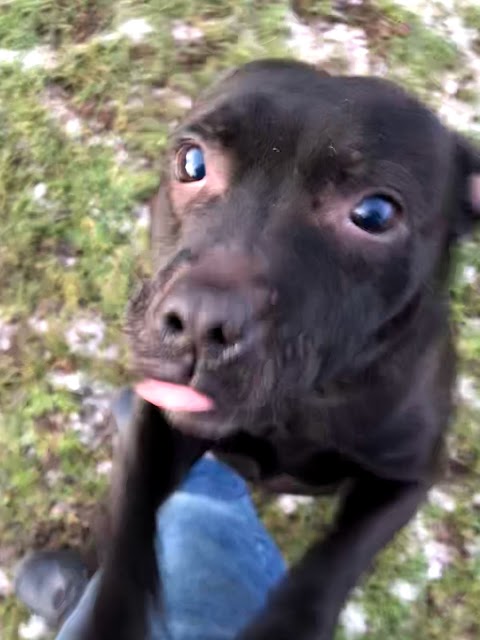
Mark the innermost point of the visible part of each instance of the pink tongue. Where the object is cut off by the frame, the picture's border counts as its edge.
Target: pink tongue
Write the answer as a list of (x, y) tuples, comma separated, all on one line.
[(173, 397)]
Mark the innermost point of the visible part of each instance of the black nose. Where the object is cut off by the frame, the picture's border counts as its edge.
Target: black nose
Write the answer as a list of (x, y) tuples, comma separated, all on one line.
[(210, 319)]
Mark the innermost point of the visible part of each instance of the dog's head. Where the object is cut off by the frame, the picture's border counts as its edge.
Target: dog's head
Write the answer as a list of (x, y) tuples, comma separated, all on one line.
[(300, 217)]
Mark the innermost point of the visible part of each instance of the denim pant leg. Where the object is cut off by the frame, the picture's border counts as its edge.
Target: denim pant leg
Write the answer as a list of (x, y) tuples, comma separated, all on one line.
[(216, 560)]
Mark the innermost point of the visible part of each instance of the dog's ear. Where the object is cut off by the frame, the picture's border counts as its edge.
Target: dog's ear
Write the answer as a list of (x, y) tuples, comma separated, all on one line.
[(468, 164)]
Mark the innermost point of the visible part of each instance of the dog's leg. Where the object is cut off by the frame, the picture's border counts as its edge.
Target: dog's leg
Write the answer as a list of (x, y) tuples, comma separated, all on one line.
[(307, 604), (153, 460)]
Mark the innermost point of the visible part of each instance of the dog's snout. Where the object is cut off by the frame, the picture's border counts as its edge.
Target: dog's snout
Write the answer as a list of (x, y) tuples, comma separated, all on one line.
[(208, 318), (216, 308)]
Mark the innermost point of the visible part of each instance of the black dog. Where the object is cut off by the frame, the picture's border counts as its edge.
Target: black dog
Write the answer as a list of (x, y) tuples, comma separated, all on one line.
[(302, 238)]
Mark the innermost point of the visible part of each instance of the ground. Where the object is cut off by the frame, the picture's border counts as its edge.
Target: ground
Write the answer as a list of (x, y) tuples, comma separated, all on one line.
[(88, 93)]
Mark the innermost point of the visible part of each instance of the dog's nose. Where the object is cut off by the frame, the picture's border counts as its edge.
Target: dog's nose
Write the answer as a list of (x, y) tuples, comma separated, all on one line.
[(210, 319)]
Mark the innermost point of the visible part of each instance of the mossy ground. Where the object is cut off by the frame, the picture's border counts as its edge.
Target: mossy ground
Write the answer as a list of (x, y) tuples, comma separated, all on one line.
[(81, 142)]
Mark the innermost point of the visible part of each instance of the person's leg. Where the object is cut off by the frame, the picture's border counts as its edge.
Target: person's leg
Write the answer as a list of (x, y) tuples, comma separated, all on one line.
[(216, 560)]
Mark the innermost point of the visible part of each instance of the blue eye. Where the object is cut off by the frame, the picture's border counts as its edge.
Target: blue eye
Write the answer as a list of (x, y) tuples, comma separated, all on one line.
[(375, 214), (191, 164)]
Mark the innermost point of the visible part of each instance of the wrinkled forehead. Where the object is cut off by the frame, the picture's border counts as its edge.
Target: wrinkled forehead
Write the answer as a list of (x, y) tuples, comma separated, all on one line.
[(299, 115)]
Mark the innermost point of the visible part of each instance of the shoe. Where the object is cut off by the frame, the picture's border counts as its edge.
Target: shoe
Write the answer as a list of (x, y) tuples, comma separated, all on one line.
[(50, 583)]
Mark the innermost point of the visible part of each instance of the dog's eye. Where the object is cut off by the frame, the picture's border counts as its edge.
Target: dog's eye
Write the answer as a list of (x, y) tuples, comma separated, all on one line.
[(375, 214), (190, 164)]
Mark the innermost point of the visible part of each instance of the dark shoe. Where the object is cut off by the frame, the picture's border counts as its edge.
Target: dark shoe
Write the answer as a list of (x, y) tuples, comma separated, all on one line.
[(50, 583)]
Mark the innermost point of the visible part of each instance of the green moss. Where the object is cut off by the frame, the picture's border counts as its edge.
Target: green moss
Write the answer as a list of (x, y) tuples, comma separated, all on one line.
[(88, 199), (25, 23), (314, 8), (113, 86), (471, 16), (415, 55)]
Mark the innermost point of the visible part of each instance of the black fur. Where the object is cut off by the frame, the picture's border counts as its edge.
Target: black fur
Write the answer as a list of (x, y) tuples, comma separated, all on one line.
[(346, 377)]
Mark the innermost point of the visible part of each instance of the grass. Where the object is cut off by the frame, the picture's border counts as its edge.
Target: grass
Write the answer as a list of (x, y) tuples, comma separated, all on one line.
[(69, 203), (26, 23), (471, 16), (415, 55)]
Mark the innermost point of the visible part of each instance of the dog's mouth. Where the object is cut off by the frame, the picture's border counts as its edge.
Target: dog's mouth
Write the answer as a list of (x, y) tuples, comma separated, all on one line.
[(203, 391), (174, 397), (187, 409), (213, 402)]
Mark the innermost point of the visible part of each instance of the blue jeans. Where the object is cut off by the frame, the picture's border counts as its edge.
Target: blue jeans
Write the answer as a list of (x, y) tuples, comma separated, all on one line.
[(216, 560)]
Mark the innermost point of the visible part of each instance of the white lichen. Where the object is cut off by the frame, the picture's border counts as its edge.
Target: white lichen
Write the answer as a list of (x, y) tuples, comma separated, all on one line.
[(30, 59), (442, 500), (354, 620), (6, 587), (469, 274), (467, 391), (75, 381), (59, 511), (34, 629), (303, 40), (142, 217), (91, 417), (135, 29), (73, 127), (39, 58), (405, 591), (289, 503), (185, 33), (85, 335), (67, 261), (59, 110), (53, 477), (9, 56), (39, 192), (7, 332), (473, 548), (320, 42), (437, 554), (104, 468), (168, 95)]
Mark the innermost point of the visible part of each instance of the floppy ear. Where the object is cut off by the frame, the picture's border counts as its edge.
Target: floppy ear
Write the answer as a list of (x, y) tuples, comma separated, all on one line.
[(468, 164)]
